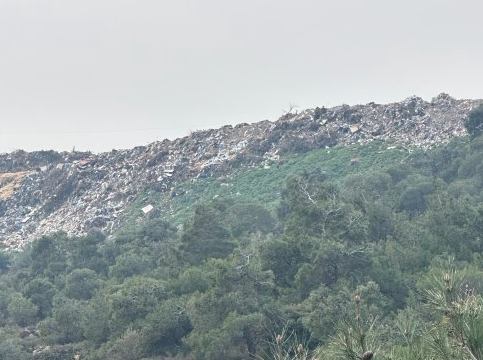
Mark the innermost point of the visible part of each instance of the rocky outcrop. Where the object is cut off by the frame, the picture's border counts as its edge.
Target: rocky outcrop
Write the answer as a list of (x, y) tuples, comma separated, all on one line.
[(47, 191)]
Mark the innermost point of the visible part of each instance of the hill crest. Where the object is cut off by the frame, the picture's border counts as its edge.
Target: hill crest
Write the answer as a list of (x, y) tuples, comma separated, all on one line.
[(47, 191)]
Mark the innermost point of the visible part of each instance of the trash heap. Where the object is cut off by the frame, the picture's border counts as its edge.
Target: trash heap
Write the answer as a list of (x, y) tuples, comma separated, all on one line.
[(46, 191)]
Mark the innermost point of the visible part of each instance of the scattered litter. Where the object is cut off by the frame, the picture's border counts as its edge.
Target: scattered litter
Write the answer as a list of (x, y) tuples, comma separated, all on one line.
[(46, 191), (147, 208)]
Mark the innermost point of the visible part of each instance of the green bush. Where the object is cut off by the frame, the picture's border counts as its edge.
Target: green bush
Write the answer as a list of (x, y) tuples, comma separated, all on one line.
[(21, 310), (474, 122)]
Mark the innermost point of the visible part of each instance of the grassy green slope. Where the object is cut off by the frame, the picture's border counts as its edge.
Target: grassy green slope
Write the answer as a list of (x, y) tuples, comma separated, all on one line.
[(263, 183)]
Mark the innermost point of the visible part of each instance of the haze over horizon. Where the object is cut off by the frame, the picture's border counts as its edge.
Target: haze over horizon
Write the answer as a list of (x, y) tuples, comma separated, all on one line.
[(97, 75)]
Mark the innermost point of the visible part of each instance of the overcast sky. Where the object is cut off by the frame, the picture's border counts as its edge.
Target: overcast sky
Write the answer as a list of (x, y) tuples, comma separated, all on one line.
[(102, 74)]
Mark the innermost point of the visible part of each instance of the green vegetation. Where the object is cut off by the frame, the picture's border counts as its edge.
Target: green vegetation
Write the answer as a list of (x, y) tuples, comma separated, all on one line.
[(474, 122), (263, 184), (314, 259)]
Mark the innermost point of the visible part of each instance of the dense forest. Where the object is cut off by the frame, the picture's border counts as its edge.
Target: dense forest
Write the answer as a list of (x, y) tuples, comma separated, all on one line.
[(383, 262)]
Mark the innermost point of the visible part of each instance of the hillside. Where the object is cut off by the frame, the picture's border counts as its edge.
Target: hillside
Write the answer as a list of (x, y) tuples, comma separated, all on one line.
[(358, 251), (43, 192)]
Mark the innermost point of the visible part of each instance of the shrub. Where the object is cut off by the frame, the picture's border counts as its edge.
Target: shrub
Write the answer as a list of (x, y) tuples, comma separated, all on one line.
[(474, 122)]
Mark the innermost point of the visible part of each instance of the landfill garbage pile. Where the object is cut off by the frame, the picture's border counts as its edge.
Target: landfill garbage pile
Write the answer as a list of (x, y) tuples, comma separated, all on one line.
[(42, 192)]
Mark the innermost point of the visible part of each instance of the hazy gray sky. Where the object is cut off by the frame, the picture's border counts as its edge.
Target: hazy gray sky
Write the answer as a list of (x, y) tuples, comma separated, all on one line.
[(103, 74)]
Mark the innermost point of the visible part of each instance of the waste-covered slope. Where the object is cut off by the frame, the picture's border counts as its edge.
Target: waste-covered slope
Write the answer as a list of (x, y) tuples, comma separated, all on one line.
[(46, 191)]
